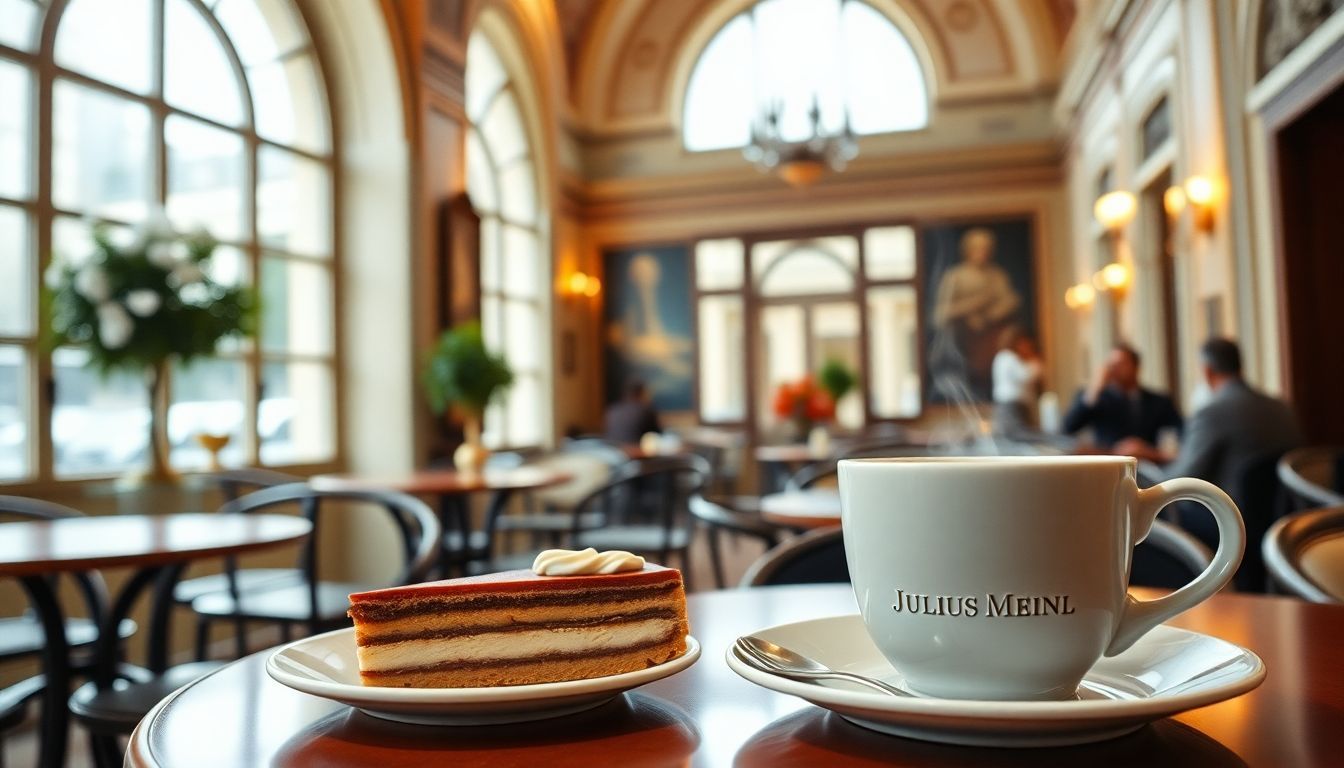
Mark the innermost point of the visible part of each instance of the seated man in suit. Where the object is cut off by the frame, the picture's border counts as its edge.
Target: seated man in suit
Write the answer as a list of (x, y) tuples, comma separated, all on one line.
[(1116, 407), (630, 419), (1233, 442)]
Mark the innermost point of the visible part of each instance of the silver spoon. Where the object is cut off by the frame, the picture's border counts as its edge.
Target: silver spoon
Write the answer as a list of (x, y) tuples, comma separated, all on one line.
[(781, 661)]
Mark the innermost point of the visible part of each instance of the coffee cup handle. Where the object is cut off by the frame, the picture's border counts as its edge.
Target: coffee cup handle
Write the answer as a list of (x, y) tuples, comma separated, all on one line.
[(1142, 615)]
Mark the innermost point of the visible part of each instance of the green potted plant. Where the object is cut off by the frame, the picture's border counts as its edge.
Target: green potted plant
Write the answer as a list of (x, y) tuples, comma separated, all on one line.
[(141, 303), (837, 379), (461, 374)]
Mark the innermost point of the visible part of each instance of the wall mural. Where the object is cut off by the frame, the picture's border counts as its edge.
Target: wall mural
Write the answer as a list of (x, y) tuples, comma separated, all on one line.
[(649, 323), (980, 289)]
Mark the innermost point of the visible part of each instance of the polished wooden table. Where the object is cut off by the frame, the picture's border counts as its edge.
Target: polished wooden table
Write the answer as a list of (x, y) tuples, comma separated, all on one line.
[(458, 546), (159, 546), (708, 716), (810, 508)]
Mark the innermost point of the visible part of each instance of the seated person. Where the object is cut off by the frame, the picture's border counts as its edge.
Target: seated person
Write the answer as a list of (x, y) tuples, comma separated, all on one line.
[(1233, 442), (1238, 425), (1116, 407), (627, 420), (1017, 377)]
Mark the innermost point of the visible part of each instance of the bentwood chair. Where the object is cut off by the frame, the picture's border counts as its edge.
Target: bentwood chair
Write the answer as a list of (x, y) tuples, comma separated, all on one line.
[(1304, 554), (1313, 476), (816, 557), (550, 513), (232, 484), (1169, 558), (23, 636), (739, 517), (645, 510), (312, 602)]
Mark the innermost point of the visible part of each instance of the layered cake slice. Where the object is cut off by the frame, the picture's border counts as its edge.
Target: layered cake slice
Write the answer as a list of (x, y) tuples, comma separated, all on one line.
[(575, 615)]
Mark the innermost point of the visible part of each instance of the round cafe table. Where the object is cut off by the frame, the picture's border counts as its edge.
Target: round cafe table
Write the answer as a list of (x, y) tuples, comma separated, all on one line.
[(458, 546), (810, 508), (708, 716), (158, 546)]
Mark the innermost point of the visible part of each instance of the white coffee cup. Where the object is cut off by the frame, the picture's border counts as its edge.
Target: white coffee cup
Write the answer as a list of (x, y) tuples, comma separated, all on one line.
[(1006, 578)]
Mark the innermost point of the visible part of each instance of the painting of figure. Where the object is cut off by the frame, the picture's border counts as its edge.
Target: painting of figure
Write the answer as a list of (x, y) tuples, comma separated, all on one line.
[(649, 324), (980, 292)]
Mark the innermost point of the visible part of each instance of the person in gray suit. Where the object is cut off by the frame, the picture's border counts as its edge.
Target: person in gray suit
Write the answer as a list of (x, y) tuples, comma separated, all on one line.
[(1234, 442)]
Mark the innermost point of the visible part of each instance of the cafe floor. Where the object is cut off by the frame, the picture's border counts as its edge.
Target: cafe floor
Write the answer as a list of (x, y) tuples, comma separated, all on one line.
[(20, 746)]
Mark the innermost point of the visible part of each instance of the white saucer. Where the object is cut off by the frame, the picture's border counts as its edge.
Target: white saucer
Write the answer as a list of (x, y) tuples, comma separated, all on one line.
[(1167, 671), (325, 665)]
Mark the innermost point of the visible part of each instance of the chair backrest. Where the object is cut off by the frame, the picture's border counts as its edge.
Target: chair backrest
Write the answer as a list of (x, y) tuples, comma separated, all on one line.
[(587, 473), (655, 491), (1169, 558), (1304, 554), (816, 474), (816, 557), (415, 521), (1314, 476), (236, 482), (92, 588)]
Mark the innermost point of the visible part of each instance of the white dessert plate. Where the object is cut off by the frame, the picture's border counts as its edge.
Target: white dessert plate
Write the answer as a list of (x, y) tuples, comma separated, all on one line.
[(1167, 671), (325, 665)]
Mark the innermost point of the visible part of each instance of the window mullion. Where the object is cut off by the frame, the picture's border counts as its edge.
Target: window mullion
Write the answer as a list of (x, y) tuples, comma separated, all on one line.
[(40, 378)]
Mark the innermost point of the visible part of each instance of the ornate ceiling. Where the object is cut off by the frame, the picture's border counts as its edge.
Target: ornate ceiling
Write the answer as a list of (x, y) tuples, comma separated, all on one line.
[(628, 60)]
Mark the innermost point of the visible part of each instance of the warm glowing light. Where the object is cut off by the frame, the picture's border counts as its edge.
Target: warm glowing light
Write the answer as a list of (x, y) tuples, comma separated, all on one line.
[(801, 173), (1199, 190), (1080, 296), (1114, 210), (580, 284), (1114, 278), (1173, 201)]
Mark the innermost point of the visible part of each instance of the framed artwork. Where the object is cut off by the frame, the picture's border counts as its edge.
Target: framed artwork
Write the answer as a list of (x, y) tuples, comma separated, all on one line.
[(980, 290), (648, 322)]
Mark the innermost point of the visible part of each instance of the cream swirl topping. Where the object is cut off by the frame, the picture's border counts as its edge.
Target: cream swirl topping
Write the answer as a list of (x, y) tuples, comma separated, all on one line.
[(569, 562)]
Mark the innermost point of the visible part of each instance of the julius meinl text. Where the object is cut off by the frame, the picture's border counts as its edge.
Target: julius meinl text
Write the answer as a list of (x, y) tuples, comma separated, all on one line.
[(1007, 604)]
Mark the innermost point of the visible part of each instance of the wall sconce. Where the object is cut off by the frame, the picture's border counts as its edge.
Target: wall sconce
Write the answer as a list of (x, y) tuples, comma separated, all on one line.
[(1114, 278), (1080, 296), (1199, 193), (1114, 210), (581, 284), (1173, 202)]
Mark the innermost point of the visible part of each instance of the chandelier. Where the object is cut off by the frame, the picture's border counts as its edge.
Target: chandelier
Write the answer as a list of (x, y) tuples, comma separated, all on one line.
[(799, 162)]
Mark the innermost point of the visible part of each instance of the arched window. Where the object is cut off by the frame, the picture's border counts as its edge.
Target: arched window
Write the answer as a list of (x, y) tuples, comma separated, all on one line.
[(502, 185), (215, 112), (843, 53)]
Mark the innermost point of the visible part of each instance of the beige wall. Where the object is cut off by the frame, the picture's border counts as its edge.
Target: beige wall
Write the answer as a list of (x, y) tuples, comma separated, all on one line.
[(1201, 53)]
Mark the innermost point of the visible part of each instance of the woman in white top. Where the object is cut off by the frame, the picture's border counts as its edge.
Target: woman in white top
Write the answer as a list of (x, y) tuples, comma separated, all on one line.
[(1017, 376)]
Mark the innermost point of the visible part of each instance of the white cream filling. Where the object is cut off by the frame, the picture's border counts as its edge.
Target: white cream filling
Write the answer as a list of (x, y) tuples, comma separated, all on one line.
[(491, 646)]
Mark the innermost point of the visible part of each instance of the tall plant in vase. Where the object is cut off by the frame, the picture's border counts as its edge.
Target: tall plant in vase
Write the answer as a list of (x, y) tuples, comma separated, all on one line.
[(462, 375), (142, 303)]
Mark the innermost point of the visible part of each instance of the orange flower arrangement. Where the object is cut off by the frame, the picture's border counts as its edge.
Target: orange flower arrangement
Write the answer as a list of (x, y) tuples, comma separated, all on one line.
[(803, 399)]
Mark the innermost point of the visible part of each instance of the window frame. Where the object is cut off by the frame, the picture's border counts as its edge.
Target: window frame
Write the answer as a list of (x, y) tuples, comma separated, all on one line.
[(41, 212), (493, 223), (753, 301)]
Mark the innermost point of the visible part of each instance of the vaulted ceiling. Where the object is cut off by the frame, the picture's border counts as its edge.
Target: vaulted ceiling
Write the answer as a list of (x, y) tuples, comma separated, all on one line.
[(627, 60)]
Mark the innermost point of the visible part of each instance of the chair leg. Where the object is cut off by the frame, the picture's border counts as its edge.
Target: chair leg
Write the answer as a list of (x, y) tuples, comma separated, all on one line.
[(202, 637), (685, 557), (715, 558), (239, 637), (106, 750), (286, 632)]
